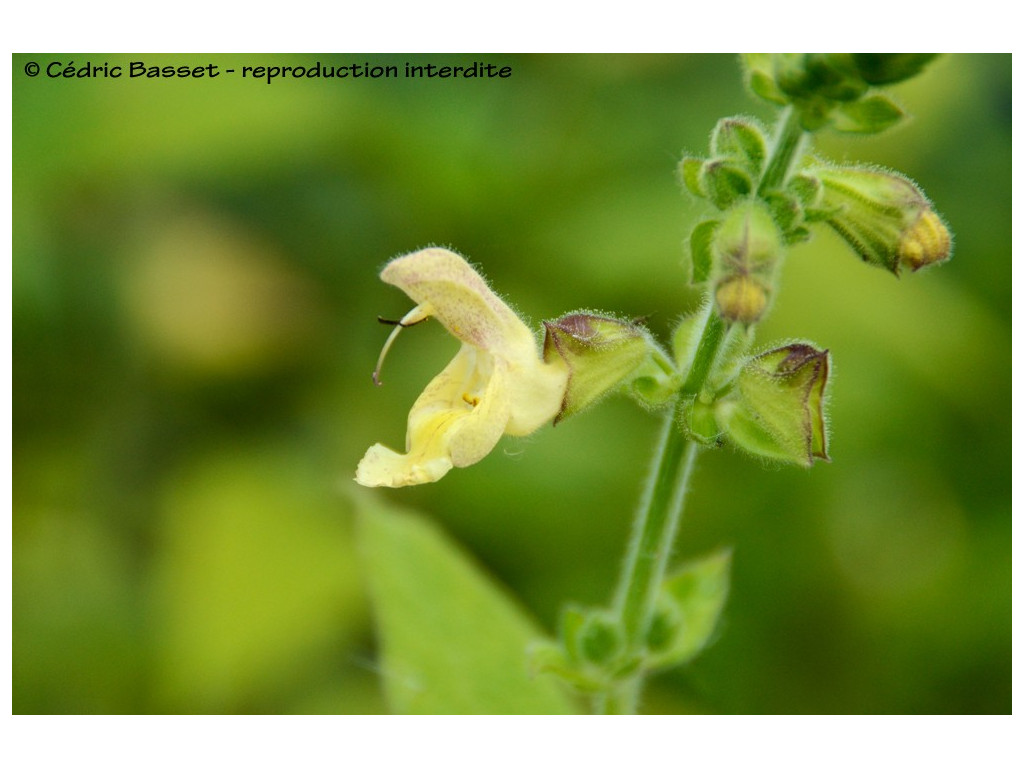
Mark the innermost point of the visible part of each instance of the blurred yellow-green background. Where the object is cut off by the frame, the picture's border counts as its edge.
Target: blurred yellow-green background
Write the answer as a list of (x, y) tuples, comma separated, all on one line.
[(194, 326)]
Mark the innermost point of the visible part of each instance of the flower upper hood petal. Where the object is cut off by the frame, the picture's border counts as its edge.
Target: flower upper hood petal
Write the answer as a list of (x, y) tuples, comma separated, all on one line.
[(461, 300)]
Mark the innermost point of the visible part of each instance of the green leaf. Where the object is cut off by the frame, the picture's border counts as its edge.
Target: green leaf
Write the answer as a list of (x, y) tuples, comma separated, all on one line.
[(700, 424), (690, 171), (872, 114), (741, 139), (691, 602), (726, 182), (758, 69), (702, 258), (255, 583), (451, 641)]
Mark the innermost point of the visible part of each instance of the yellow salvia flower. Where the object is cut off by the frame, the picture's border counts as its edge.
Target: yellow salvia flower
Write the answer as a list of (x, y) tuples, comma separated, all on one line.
[(496, 385)]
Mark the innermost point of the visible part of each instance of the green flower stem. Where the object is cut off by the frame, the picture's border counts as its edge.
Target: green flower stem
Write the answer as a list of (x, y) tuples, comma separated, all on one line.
[(649, 551), (656, 523), (785, 152), (707, 351)]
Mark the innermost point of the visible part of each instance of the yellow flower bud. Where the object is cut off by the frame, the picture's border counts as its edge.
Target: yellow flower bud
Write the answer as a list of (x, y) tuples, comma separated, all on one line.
[(741, 299), (926, 242)]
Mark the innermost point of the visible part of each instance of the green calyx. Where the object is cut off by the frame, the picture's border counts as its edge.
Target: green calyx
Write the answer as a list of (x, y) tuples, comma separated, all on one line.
[(604, 354), (776, 409)]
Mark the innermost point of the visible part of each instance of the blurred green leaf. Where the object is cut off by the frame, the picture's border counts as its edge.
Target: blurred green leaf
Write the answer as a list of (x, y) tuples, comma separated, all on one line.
[(255, 587), (872, 114), (690, 172), (692, 600), (452, 642)]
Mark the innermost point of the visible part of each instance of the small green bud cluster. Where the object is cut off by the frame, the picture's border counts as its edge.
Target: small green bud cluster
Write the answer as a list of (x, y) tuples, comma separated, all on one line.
[(738, 152), (592, 653), (766, 195), (834, 89)]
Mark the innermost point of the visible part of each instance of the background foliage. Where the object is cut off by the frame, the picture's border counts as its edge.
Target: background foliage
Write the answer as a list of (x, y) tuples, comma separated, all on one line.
[(194, 303)]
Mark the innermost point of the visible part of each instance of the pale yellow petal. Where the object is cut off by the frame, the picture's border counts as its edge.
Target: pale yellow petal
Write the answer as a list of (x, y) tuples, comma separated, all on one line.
[(456, 421), (383, 467), (480, 430), (536, 393), (463, 412)]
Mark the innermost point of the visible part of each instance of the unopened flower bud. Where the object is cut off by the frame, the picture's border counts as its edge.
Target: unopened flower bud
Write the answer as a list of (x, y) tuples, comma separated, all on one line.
[(747, 248), (884, 217), (836, 89), (886, 68), (748, 240), (812, 76), (600, 352), (777, 408)]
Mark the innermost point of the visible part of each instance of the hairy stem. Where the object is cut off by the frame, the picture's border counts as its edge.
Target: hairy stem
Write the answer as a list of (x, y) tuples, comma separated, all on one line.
[(786, 151), (657, 519)]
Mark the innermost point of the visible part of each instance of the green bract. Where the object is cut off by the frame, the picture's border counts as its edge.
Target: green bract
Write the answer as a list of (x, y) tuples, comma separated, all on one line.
[(689, 606)]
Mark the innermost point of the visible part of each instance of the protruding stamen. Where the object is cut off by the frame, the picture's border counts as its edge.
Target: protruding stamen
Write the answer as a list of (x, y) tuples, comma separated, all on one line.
[(417, 314), (386, 321)]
